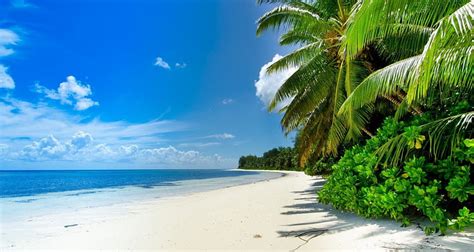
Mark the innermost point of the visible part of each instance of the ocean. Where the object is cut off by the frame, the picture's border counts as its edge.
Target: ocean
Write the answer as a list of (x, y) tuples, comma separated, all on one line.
[(29, 194)]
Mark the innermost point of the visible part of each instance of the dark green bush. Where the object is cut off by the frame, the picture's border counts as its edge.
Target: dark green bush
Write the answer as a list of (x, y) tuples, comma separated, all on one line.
[(442, 191), (281, 158), (321, 167)]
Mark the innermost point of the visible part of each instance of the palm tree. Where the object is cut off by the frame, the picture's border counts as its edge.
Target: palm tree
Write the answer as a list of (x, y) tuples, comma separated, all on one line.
[(324, 75), (436, 40)]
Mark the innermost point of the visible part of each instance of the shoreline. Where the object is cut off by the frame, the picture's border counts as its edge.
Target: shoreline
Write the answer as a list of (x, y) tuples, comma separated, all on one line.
[(125, 189), (100, 189), (275, 214)]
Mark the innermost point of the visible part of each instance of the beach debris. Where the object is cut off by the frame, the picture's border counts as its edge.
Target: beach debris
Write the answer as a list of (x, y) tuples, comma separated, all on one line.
[(313, 233), (257, 236), (70, 225), (310, 234)]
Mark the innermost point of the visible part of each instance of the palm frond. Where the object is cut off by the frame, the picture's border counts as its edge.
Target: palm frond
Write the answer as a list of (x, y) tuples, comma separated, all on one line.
[(297, 112), (296, 58), (374, 20), (385, 81), (443, 135), (355, 119), (306, 32), (286, 16), (402, 110), (296, 36), (307, 5), (337, 133), (314, 134), (273, 1), (403, 41), (447, 57), (447, 133), (306, 74)]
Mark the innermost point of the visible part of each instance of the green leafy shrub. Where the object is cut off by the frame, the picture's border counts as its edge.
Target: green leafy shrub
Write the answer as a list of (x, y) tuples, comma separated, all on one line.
[(320, 167), (442, 191)]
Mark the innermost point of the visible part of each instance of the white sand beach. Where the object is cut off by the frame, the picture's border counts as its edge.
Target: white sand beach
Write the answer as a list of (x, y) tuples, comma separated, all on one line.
[(279, 214)]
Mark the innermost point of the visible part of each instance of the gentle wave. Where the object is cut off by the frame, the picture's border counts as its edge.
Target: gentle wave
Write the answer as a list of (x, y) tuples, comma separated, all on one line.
[(15, 208)]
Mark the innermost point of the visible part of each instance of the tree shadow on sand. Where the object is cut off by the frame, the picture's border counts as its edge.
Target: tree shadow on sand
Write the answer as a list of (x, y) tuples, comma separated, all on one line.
[(323, 219)]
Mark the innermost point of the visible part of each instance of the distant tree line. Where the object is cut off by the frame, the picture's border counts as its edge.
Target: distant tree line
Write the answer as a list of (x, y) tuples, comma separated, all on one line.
[(281, 158)]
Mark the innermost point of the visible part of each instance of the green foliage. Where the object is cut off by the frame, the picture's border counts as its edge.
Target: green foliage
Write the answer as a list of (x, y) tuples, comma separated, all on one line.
[(320, 167), (440, 65), (285, 158), (414, 137), (324, 76), (282, 158), (464, 219), (466, 153), (458, 187), (355, 57), (442, 191)]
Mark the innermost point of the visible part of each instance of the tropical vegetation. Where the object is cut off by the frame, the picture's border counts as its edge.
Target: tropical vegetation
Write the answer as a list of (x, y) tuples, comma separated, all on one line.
[(285, 159), (281, 158), (383, 89)]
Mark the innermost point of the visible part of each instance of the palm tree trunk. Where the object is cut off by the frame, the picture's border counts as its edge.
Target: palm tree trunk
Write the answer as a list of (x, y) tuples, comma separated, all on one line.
[(414, 110), (392, 100)]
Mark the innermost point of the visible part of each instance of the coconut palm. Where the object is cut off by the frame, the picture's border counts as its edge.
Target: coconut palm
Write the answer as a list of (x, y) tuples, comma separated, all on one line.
[(437, 42), (324, 76)]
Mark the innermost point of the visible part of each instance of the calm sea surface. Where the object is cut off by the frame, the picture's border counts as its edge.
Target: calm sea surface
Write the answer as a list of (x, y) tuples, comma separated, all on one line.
[(28, 183), (28, 194)]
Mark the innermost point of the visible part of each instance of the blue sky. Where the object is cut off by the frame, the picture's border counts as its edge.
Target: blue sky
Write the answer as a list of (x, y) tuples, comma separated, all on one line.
[(135, 84)]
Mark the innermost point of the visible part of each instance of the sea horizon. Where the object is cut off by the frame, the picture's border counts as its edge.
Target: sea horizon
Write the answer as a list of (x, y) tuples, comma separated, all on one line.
[(112, 169), (25, 194), (11, 186)]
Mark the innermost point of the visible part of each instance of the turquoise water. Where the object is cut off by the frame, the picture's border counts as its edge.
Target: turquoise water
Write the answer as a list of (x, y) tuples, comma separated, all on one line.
[(28, 194)]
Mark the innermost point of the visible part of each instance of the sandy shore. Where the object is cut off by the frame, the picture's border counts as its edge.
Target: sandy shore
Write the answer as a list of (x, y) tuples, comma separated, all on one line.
[(280, 214)]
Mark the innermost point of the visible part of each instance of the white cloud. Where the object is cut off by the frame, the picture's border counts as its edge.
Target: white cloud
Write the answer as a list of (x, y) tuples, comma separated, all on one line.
[(3, 149), (44, 149), (129, 150), (71, 92), (50, 148), (162, 63), (221, 136), (36, 132), (84, 103), (180, 65), (25, 120), (8, 38), (228, 101), (268, 84), (81, 139), (100, 152), (6, 81), (172, 156)]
